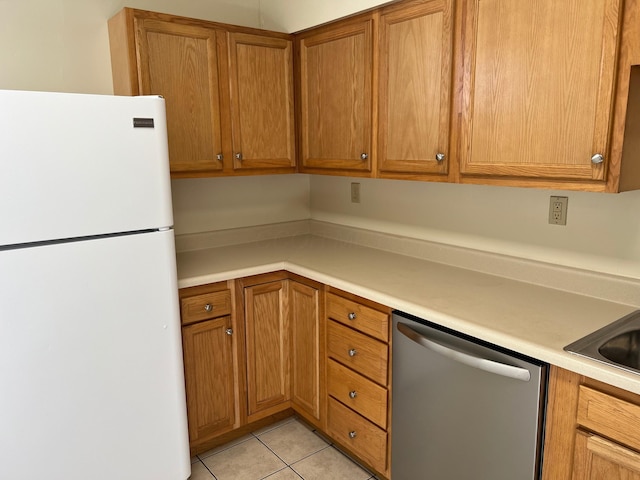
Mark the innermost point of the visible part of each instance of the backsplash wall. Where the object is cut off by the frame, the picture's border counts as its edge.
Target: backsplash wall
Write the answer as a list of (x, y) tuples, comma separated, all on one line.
[(602, 231)]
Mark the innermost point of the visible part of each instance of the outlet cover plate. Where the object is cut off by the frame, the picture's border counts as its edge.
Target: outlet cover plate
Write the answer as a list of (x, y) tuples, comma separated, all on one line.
[(558, 210)]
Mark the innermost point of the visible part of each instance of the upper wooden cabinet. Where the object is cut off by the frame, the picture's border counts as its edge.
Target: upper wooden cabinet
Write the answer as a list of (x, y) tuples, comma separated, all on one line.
[(228, 90), (179, 62), (336, 97), (538, 82), (415, 50), (261, 101)]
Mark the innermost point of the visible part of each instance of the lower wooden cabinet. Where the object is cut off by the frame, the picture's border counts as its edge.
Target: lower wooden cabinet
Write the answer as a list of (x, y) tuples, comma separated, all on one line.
[(267, 344), (283, 325), (592, 430), (209, 348), (358, 378), (307, 349), (261, 347), (357, 434), (597, 458)]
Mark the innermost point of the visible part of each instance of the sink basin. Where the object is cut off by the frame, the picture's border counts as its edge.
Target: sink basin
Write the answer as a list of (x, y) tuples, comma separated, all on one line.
[(623, 349), (617, 344)]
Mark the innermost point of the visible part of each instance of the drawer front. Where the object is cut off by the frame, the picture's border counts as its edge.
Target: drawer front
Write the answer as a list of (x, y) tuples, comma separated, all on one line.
[(365, 319), (207, 305), (358, 393), (609, 416), (359, 435), (363, 354)]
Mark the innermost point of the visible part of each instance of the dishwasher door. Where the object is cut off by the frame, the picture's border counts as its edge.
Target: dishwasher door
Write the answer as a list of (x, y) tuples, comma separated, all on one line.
[(463, 409)]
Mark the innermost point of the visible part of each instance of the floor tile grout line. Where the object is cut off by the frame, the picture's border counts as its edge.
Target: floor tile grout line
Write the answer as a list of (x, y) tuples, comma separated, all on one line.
[(231, 445), (208, 469), (278, 471)]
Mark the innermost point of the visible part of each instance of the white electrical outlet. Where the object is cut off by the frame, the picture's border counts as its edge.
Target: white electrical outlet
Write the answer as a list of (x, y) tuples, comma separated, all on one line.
[(558, 210), (355, 193)]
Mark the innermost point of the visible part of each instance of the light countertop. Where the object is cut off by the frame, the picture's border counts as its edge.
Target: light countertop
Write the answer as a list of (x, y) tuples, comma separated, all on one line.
[(533, 320)]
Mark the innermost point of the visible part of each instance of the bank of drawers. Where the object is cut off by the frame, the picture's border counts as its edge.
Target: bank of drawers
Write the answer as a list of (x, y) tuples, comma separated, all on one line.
[(358, 378)]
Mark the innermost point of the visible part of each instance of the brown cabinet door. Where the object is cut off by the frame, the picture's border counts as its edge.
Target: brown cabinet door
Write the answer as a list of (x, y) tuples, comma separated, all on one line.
[(267, 342), (261, 101), (600, 459), (537, 87), (415, 88), (304, 304), (210, 370), (180, 62), (336, 66)]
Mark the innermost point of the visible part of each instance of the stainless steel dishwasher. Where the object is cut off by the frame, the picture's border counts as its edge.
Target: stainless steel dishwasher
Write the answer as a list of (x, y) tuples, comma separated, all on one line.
[(463, 409)]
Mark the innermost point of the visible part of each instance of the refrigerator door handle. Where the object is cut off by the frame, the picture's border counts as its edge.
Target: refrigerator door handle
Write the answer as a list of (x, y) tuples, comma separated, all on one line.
[(480, 363)]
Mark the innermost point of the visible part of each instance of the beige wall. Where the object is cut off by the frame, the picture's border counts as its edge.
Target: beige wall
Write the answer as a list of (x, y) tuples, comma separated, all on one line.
[(602, 231), (295, 15), (63, 45)]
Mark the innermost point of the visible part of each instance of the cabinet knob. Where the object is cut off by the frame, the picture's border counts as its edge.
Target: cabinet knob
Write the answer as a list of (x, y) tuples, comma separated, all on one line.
[(352, 352), (353, 434), (238, 156), (364, 156), (597, 158), (440, 157), (208, 307), (352, 315), (229, 331), (353, 394), (219, 157)]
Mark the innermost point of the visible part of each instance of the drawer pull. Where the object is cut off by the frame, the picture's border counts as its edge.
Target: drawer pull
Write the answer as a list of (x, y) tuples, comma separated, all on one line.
[(352, 315), (208, 307), (229, 331), (352, 352), (352, 434), (353, 394)]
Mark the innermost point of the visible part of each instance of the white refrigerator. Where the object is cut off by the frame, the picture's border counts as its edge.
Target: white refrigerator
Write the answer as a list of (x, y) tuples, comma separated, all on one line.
[(91, 373)]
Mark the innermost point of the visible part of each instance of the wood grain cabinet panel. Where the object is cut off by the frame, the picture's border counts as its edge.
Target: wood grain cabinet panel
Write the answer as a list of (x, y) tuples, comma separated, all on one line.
[(416, 49), (207, 305), (358, 393), (336, 116), (261, 101), (599, 459), (357, 434), (362, 354), (538, 88), (267, 346), (306, 343), (358, 316), (180, 62), (209, 378)]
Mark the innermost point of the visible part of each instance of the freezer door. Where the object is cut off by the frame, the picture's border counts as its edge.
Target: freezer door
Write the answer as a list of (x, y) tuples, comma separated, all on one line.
[(73, 165), (91, 373)]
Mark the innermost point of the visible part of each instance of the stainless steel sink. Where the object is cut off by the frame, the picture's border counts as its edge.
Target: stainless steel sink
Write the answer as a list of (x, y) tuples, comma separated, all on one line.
[(617, 344)]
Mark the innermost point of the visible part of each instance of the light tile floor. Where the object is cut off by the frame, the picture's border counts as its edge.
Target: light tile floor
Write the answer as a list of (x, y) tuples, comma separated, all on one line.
[(287, 450)]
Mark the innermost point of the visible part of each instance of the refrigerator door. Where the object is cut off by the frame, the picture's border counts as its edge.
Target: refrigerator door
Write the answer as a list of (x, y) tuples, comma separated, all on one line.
[(91, 378), (74, 165)]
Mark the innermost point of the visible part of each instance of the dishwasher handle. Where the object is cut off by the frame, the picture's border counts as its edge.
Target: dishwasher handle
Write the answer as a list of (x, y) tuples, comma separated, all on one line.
[(480, 363)]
